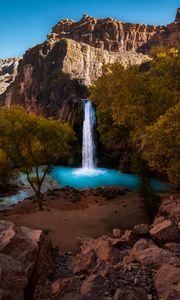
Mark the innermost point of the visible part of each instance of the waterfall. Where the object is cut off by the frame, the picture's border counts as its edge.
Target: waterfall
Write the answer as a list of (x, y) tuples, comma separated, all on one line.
[(89, 147)]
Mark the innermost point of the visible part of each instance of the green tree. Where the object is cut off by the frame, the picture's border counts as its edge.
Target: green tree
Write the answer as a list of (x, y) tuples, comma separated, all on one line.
[(115, 139), (161, 143), (30, 141), (8, 174), (136, 98)]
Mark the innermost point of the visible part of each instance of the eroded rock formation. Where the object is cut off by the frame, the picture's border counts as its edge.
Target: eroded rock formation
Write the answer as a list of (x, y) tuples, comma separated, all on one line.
[(54, 76), (116, 36), (8, 72)]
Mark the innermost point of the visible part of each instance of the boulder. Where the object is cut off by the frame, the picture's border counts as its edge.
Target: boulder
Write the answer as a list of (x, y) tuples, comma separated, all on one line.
[(141, 229), (102, 248), (129, 237), (167, 282), (83, 262), (165, 231), (25, 259), (149, 254), (170, 208)]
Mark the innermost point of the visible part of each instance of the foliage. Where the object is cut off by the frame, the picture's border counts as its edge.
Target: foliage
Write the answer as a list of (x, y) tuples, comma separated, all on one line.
[(161, 143), (138, 98), (7, 172), (115, 138), (134, 99), (30, 141)]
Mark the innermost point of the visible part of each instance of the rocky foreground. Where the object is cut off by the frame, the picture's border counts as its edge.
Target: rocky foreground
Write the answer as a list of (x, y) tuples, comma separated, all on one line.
[(142, 263)]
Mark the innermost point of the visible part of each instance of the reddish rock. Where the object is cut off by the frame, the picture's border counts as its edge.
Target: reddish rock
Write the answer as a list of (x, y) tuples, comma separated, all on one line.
[(167, 282), (65, 285), (158, 220), (173, 247), (170, 208), (25, 259), (165, 231), (83, 262), (103, 249), (128, 259), (129, 237), (141, 229), (148, 254), (117, 233), (51, 74), (114, 35), (93, 285)]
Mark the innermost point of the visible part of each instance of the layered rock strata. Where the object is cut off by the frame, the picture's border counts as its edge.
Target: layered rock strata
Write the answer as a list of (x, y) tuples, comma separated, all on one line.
[(116, 36), (53, 76)]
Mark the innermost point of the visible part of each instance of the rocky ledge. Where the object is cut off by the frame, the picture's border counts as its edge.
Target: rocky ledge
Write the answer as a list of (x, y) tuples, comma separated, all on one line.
[(54, 76), (114, 35)]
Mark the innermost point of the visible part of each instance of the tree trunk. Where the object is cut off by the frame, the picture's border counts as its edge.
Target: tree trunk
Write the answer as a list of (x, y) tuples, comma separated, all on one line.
[(39, 200)]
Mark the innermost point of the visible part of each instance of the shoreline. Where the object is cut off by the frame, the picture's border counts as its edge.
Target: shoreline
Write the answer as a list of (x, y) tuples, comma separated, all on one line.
[(69, 213)]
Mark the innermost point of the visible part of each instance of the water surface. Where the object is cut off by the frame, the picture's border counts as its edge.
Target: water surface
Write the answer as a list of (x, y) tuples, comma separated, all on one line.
[(93, 178)]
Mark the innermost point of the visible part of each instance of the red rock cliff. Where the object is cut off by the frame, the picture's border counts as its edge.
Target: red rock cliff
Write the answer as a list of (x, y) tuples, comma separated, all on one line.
[(52, 77)]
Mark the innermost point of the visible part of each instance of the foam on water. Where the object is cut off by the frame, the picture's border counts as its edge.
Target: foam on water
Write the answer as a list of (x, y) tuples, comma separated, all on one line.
[(80, 178)]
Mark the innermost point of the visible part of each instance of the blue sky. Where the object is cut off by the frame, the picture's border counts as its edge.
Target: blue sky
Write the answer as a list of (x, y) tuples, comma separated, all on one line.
[(25, 23)]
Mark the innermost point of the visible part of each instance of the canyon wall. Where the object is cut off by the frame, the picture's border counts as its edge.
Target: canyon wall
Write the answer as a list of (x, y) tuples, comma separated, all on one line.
[(8, 72), (54, 76), (116, 36)]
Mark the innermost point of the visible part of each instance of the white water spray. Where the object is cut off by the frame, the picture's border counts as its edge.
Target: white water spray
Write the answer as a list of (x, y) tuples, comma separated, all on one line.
[(89, 147), (88, 144)]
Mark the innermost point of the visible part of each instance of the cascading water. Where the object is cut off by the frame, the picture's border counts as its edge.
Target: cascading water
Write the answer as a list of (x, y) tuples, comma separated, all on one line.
[(88, 176), (89, 147)]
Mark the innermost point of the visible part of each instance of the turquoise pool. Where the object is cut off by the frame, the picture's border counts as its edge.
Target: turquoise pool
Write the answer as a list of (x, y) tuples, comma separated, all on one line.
[(84, 178)]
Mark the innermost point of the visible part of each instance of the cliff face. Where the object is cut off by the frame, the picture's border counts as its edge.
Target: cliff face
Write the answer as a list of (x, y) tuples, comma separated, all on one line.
[(53, 76), (117, 36), (8, 72)]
